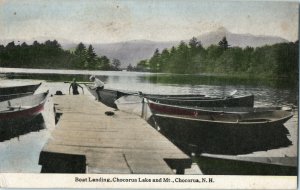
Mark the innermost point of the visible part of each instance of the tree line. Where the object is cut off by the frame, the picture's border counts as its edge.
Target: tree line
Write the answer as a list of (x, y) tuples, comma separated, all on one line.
[(278, 60), (49, 55)]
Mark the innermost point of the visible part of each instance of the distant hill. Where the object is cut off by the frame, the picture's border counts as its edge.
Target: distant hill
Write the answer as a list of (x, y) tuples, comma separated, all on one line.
[(131, 52), (240, 40)]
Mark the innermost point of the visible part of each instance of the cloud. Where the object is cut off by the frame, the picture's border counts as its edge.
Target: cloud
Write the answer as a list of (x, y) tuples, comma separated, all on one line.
[(112, 21)]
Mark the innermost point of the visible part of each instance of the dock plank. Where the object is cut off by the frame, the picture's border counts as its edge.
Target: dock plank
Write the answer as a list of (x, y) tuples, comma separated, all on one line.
[(121, 143)]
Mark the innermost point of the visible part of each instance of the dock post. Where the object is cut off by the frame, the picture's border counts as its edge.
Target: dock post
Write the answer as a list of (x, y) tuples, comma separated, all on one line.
[(53, 162), (144, 112), (180, 170), (142, 108)]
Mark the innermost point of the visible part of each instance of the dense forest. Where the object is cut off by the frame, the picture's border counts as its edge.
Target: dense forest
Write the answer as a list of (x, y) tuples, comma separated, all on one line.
[(272, 61), (51, 55)]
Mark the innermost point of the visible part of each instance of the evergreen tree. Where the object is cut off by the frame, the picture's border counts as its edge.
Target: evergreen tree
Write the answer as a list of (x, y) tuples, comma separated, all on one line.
[(164, 59), (91, 57), (181, 58), (81, 54), (154, 62), (224, 44), (105, 63), (80, 49), (10, 45), (142, 65), (193, 43), (116, 64), (130, 68)]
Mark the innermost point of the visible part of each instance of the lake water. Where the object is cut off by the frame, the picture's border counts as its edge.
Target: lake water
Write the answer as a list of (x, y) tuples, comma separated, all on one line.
[(20, 153)]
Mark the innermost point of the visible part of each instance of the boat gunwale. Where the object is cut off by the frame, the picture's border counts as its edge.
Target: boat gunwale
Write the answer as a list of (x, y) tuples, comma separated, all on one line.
[(28, 108), (224, 122), (12, 87), (202, 100), (211, 109)]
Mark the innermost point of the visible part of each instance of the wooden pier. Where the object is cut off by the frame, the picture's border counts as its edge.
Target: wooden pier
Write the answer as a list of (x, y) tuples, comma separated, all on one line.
[(87, 139)]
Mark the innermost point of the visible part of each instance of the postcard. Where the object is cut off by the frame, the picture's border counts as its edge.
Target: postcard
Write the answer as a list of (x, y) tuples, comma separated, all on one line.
[(151, 94)]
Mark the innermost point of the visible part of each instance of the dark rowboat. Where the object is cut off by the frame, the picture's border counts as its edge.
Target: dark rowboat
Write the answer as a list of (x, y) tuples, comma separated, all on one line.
[(215, 132), (11, 92), (158, 108), (109, 96), (212, 164), (18, 89), (21, 110), (242, 101), (174, 96), (12, 96), (227, 121)]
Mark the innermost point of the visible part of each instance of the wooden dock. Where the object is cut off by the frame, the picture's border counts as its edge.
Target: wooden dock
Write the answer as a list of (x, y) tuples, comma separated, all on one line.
[(87, 140)]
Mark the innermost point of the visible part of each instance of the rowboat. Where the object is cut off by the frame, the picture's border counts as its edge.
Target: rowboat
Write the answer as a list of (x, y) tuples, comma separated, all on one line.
[(135, 104), (159, 108), (12, 96), (21, 110), (226, 121), (214, 164), (226, 132), (12, 92), (109, 96), (174, 96), (231, 101), (18, 89)]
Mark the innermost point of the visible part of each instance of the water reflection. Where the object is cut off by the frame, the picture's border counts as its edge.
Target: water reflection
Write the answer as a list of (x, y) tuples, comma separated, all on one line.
[(220, 80), (9, 132)]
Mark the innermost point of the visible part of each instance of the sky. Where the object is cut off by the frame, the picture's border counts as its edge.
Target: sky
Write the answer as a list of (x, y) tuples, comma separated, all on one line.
[(106, 21)]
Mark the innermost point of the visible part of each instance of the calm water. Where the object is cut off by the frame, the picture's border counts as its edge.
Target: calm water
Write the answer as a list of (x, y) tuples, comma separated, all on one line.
[(20, 154), (267, 92)]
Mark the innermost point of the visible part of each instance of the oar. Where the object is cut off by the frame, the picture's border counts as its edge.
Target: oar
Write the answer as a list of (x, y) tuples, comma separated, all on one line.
[(9, 106), (18, 107), (79, 82), (232, 92)]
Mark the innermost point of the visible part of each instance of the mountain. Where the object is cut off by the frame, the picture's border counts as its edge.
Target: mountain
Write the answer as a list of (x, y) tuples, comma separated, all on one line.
[(131, 52), (240, 40)]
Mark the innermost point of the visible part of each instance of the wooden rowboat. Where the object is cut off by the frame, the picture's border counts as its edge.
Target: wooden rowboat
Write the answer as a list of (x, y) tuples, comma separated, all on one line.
[(134, 104), (12, 92), (159, 108), (21, 110), (226, 133), (174, 96), (227, 121), (241, 101), (19, 89), (109, 96), (12, 96)]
